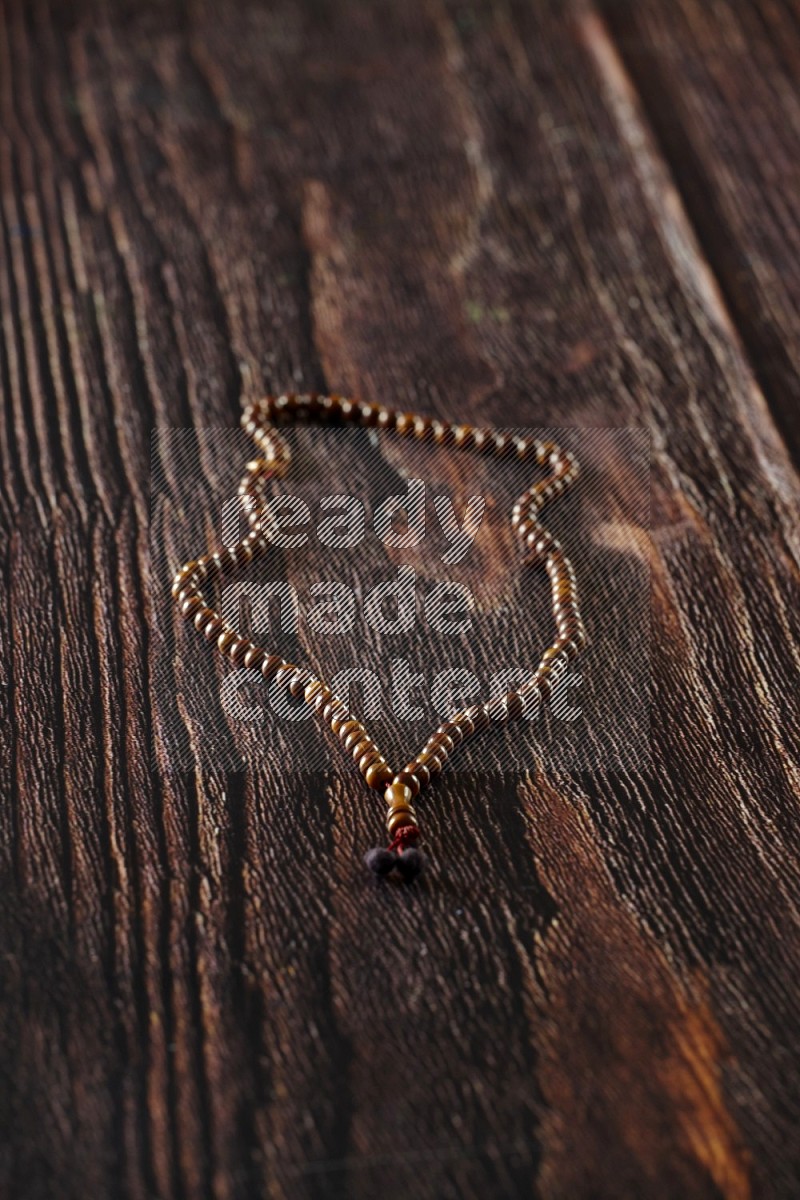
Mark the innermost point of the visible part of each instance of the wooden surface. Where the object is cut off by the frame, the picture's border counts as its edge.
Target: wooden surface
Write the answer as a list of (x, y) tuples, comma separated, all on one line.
[(543, 213)]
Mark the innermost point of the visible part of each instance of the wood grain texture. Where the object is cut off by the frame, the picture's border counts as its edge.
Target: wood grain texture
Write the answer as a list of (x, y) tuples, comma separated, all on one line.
[(720, 86), (467, 209)]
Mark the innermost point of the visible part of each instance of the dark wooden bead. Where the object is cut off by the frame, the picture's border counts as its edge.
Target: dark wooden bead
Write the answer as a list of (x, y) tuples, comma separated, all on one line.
[(411, 863), (380, 860)]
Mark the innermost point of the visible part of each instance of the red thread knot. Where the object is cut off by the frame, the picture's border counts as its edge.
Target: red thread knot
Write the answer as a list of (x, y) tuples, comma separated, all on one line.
[(407, 835)]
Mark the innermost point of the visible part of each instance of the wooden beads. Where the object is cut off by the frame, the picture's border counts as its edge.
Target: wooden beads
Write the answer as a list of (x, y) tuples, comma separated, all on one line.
[(538, 544), (401, 812)]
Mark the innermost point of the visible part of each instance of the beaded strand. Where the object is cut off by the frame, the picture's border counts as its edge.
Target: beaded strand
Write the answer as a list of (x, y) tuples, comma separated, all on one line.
[(402, 787)]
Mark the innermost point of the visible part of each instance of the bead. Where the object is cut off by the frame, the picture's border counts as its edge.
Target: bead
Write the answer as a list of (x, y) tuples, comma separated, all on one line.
[(411, 863), (480, 718), (443, 741), (238, 648), (430, 760), (410, 780), (398, 794), (402, 806), (377, 774), (497, 709), (297, 685), (348, 727), (201, 616), (421, 771), (185, 571), (465, 723), (254, 657), (380, 860), (271, 665), (398, 818), (354, 739), (366, 760)]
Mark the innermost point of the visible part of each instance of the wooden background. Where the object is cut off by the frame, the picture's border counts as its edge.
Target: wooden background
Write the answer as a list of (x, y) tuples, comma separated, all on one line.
[(555, 213)]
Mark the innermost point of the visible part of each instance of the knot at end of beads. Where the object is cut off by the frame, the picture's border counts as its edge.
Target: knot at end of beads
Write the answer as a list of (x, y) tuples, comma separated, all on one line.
[(404, 838), (402, 855)]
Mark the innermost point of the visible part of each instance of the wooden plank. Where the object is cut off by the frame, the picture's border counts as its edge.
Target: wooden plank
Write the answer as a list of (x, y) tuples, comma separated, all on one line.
[(461, 209), (719, 83)]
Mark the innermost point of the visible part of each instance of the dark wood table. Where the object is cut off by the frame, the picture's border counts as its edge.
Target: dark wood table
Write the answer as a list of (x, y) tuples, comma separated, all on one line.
[(541, 213)]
